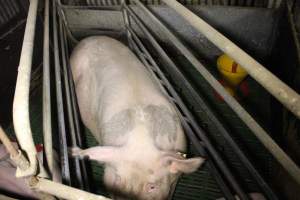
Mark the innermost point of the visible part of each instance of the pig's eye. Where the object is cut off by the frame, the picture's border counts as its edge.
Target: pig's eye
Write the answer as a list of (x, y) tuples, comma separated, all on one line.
[(151, 187)]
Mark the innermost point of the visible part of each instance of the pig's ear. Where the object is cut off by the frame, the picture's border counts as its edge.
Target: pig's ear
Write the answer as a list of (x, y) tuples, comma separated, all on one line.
[(103, 154), (184, 165)]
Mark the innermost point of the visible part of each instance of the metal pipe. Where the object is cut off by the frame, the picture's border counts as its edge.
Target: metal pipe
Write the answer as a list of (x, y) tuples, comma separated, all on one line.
[(47, 127), (191, 135), (15, 155), (229, 176), (75, 111), (260, 133), (60, 108), (21, 98), (7, 143), (69, 104), (62, 191)]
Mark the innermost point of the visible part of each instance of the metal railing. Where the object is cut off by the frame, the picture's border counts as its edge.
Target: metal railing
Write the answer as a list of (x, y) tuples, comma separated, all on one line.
[(226, 180)]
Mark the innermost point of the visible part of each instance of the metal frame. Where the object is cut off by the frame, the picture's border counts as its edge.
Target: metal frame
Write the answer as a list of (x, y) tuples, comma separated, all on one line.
[(222, 174)]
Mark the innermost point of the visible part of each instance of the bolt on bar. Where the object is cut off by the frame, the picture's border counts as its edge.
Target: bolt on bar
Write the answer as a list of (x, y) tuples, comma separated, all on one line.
[(21, 99), (260, 133)]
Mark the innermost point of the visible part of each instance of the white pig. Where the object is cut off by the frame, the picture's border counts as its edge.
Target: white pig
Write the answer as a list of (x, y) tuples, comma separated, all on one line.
[(137, 127)]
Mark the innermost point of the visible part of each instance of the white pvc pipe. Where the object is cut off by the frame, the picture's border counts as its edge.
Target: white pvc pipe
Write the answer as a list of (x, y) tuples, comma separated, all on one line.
[(47, 129), (21, 98), (282, 92), (62, 191)]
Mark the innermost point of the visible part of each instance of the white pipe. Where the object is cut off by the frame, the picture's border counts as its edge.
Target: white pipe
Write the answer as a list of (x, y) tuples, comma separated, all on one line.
[(21, 99), (47, 129), (62, 191), (282, 92)]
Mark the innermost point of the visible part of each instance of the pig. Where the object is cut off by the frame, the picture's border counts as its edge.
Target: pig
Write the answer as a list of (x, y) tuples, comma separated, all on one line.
[(139, 132), (19, 186)]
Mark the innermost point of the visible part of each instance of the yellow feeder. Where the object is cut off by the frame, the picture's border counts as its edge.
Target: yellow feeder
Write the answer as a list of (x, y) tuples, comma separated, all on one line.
[(232, 73)]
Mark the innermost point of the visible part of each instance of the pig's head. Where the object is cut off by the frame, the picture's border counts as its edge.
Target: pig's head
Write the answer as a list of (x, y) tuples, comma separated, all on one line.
[(135, 180), (147, 178)]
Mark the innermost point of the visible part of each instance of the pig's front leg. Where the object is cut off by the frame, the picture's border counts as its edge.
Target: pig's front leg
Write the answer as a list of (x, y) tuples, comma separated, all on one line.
[(99, 153)]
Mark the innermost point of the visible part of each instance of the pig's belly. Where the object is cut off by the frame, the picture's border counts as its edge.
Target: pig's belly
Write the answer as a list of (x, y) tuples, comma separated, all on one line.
[(110, 79)]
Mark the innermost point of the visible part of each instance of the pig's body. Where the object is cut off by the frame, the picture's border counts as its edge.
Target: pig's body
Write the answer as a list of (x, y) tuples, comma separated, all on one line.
[(138, 128)]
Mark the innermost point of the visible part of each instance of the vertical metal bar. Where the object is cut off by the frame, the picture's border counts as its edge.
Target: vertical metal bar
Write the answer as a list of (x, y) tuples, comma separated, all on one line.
[(69, 106), (126, 21), (213, 170), (47, 125), (60, 108), (229, 176), (75, 112), (21, 99)]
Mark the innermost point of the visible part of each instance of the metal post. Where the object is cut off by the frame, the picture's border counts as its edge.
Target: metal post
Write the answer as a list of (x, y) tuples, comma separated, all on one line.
[(21, 99), (60, 108), (47, 126)]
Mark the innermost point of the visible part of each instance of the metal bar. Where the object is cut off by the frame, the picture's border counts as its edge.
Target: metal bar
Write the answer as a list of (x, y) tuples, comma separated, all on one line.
[(260, 133), (21, 98), (112, 8), (75, 111), (228, 138), (60, 108), (63, 17), (75, 118), (126, 22), (62, 191), (47, 126), (69, 106), (213, 170), (229, 176), (13, 152)]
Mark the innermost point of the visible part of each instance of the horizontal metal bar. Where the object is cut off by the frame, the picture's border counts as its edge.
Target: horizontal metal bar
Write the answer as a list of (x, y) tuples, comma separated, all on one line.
[(62, 191), (112, 8), (260, 133)]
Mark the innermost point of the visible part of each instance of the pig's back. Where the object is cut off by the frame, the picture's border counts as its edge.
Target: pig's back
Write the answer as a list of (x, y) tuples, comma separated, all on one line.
[(109, 78)]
